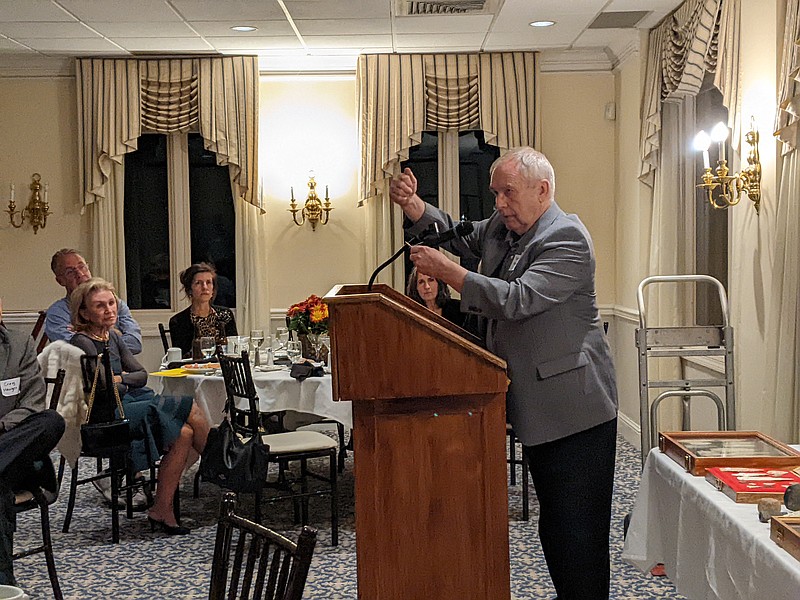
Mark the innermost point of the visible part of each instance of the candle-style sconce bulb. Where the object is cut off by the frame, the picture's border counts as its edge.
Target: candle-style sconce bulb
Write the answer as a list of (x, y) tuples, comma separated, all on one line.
[(313, 210)]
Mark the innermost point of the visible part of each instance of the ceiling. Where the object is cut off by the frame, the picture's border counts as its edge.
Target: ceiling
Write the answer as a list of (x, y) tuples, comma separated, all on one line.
[(317, 35)]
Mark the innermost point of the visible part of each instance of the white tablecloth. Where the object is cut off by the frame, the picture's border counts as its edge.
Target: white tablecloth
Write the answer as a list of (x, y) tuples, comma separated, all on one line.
[(711, 547), (276, 391)]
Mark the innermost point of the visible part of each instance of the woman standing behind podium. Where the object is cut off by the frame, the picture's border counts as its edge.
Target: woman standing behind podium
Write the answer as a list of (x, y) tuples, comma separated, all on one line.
[(434, 295), (160, 426), (201, 319)]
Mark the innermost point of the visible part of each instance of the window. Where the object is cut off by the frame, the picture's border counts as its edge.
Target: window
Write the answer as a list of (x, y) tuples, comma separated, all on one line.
[(178, 210), (475, 157)]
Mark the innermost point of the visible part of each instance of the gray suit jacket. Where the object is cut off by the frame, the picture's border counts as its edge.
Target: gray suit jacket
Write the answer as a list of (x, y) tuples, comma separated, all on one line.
[(23, 389), (542, 319)]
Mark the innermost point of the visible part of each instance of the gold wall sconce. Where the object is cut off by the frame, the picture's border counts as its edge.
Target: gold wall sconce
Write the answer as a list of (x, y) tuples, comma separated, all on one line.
[(313, 211), (37, 210), (723, 189)]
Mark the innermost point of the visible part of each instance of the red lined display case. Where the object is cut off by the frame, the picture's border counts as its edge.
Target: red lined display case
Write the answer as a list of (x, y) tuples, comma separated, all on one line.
[(748, 485)]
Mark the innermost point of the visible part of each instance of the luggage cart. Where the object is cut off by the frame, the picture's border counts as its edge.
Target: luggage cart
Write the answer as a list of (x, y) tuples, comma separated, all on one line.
[(679, 342)]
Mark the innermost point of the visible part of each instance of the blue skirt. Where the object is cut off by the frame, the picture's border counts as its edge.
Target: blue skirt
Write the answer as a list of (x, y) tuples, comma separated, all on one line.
[(155, 423)]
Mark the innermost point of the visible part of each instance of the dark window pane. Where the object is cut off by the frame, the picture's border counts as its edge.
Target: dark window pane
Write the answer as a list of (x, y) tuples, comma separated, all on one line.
[(213, 221), (475, 157), (711, 245), (147, 224)]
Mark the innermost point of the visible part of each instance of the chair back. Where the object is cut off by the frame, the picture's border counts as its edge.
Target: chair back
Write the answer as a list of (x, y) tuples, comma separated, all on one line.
[(252, 561), (104, 400), (239, 384), (38, 334), (58, 383), (164, 332)]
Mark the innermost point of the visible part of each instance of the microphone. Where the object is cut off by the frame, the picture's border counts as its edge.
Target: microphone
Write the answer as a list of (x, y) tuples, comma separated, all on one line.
[(433, 238)]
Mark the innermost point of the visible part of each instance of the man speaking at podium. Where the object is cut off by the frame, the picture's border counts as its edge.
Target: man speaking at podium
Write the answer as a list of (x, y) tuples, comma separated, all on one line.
[(535, 289)]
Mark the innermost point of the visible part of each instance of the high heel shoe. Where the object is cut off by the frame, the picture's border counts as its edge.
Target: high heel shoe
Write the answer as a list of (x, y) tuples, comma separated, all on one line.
[(168, 529)]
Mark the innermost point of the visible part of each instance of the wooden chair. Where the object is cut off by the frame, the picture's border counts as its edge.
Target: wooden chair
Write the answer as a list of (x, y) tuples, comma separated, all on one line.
[(521, 461), (38, 334), (252, 561), (165, 335), (42, 498), (283, 447)]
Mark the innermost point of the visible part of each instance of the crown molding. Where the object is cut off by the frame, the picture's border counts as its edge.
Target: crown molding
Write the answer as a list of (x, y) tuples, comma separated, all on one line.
[(576, 59), (36, 65)]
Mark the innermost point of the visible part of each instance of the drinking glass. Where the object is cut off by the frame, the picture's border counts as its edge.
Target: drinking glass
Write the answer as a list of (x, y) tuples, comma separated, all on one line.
[(256, 338), (268, 348), (207, 346), (294, 350), (283, 337), (325, 348)]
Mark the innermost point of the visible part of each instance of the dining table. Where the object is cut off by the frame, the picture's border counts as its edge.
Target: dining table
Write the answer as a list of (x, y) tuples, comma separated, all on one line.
[(276, 389)]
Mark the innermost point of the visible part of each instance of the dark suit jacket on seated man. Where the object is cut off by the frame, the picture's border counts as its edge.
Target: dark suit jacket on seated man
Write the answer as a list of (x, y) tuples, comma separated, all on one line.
[(28, 432), (535, 288)]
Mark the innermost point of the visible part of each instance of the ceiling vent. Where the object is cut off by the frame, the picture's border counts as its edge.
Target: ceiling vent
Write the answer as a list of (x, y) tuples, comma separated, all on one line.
[(444, 7), (618, 20)]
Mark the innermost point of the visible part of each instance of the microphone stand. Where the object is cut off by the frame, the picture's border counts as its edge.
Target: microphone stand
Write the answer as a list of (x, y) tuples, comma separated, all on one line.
[(404, 248)]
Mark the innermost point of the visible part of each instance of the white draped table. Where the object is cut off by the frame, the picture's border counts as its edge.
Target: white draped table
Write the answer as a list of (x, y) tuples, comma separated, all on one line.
[(276, 391), (712, 548)]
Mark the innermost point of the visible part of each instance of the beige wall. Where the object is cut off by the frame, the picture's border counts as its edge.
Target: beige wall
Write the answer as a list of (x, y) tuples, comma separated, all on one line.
[(310, 123), (579, 142), (38, 133)]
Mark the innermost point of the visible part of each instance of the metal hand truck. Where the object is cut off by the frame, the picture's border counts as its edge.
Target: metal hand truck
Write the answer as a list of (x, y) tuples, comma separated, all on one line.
[(693, 340)]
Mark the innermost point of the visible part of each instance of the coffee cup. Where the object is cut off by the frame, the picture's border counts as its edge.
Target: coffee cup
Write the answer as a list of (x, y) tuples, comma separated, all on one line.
[(10, 592), (174, 354)]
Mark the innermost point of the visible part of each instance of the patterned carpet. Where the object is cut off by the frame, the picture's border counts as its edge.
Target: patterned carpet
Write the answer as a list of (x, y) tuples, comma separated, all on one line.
[(151, 566)]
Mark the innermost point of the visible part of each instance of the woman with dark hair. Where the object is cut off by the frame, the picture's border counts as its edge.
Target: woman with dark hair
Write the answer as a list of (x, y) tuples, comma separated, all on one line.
[(201, 319), (161, 426), (434, 294)]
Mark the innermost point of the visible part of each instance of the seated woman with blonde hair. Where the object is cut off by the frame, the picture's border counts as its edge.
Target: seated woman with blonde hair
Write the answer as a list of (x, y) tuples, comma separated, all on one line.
[(435, 295), (165, 427)]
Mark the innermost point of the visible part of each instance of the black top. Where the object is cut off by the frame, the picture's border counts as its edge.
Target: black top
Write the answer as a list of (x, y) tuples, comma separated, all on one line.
[(183, 332), (452, 312)]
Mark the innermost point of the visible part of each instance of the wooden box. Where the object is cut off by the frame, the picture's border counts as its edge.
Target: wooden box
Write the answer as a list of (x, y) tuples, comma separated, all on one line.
[(695, 451), (748, 485), (785, 531)]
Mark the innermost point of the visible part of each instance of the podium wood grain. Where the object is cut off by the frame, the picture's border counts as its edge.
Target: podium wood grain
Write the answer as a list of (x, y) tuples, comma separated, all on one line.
[(429, 449)]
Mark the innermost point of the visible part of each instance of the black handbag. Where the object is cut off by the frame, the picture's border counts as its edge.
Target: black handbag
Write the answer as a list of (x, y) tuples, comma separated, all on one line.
[(104, 438), (230, 463)]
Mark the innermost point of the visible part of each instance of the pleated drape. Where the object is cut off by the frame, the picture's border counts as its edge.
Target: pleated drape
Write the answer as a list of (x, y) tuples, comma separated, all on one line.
[(402, 95), (781, 402), (118, 99)]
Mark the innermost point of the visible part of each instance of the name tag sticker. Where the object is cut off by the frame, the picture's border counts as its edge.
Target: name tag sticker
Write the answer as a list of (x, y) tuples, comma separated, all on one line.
[(514, 262), (10, 387)]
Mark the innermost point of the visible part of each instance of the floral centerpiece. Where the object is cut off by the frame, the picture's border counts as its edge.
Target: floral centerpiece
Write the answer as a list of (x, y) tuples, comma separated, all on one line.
[(309, 316), (309, 319)]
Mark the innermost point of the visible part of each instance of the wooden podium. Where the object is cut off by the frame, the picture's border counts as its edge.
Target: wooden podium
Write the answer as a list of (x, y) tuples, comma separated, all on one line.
[(429, 442)]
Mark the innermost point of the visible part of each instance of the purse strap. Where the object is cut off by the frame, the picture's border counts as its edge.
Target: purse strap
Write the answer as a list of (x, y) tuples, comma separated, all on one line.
[(100, 358)]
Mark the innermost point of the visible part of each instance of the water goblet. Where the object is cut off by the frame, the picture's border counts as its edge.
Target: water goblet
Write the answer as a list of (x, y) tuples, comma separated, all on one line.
[(256, 338), (325, 348), (208, 346), (293, 350)]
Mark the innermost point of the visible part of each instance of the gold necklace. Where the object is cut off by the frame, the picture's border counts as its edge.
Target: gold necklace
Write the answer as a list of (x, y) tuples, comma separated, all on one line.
[(100, 338)]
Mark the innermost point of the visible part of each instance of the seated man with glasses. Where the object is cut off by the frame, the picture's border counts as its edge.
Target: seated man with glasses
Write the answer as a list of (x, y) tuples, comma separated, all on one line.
[(71, 270)]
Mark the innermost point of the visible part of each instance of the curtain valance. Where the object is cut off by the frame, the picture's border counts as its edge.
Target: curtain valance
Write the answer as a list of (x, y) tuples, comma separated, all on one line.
[(402, 95), (700, 36), (787, 118), (119, 99)]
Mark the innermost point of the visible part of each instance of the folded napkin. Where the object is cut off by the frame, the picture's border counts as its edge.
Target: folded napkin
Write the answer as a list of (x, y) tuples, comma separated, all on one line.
[(306, 368), (170, 373)]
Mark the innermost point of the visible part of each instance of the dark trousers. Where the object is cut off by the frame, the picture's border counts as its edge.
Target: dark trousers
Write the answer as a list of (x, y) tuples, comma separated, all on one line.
[(574, 482), (20, 447)]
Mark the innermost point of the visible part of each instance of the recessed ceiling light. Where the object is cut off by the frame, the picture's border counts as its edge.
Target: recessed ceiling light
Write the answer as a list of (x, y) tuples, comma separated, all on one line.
[(244, 28), (542, 23)]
